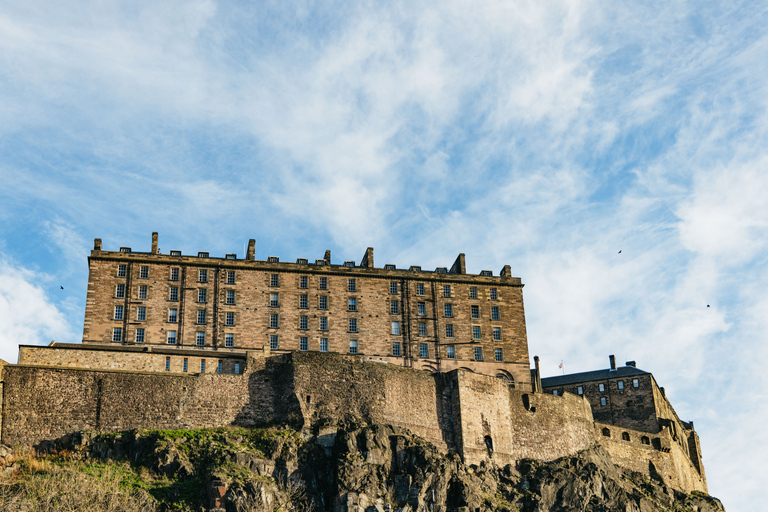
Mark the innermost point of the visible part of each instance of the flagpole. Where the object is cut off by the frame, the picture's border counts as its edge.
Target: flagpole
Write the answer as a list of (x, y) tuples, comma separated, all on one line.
[(562, 366)]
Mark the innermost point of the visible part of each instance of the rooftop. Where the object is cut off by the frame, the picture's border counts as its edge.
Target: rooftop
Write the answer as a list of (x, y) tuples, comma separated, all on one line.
[(576, 378)]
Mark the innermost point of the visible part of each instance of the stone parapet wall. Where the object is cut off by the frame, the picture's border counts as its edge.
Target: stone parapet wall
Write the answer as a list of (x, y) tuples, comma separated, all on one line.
[(660, 455)]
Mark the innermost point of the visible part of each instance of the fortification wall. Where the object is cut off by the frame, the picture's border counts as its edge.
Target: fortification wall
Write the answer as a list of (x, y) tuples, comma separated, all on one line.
[(79, 356), (43, 403), (334, 389), (661, 455)]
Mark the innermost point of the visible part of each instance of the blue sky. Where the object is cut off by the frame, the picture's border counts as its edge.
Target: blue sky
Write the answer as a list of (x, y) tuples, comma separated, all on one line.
[(544, 135)]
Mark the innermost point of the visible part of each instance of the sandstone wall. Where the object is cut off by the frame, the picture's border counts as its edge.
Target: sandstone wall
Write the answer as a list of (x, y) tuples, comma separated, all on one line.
[(661, 455)]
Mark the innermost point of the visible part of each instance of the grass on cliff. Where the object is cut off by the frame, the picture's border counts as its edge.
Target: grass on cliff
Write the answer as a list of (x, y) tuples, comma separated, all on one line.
[(70, 481)]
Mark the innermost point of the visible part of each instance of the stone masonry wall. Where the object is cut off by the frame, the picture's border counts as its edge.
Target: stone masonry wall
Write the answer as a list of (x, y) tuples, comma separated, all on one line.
[(89, 357), (646, 453)]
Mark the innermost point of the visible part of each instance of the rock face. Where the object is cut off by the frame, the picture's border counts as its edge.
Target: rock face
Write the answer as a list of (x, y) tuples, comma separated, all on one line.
[(377, 469)]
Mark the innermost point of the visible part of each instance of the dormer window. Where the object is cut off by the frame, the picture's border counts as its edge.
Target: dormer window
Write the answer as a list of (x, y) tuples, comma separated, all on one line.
[(202, 254), (175, 253), (302, 261), (349, 264), (415, 268), (486, 273), (389, 267), (441, 270), (319, 263), (125, 249), (231, 256), (273, 259)]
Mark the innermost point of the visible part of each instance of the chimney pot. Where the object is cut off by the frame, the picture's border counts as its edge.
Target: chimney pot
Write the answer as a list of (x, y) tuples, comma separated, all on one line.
[(631, 363), (154, 242), (613, 362)]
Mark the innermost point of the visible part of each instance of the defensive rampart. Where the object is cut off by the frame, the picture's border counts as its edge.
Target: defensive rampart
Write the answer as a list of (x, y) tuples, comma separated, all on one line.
[(477, 416)]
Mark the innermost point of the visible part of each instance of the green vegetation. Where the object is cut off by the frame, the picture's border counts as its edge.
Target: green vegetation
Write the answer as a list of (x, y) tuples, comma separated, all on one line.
[(147, 471)]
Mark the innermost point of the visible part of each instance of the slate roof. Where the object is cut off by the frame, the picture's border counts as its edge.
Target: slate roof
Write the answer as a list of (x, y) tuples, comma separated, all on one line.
[(577, 378)]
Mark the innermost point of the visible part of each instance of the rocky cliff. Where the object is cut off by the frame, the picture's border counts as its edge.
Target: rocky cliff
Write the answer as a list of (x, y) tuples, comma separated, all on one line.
[(354, 468)]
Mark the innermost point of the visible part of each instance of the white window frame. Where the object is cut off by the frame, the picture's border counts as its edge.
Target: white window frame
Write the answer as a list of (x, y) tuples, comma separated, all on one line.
[(353, 325), (303, 343), (202, 295), (419, 288), (449, 330), (423, 329), (323, 344), (352, 285), (139, 335), (601, 387), (322, 302), (173, 294), (170, 338), (323, 323), (304, 301), (448, 310), (323, 284), (229, 318), (122, 270), (144, 272), (118, 313), (200, 339), (173, 315), (117, 334), (274, 321), (230, 277), (303, 282), (274, 280), (395, 328), (141, 313), (304, 322), (229, 340), (353, 348), (476, 332), (497, 333), (142, 292), (274, 342), (620, 384), (120, 291), (230, 297), (475, 311), (450, 352), (396, 349), (494, 294), (201, 317), (394, 307), (393, 287), (447, 291), (422, 308), (498, 354), (494, 312), (473, 292), (174, 274), (478, 353), (423, 350), (202, 275), (352, 304), (274, 300)]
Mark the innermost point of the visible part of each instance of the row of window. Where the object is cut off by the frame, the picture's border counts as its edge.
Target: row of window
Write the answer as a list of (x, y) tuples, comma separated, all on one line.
[(274, 281), (185, 365), (423, 331), (171, 337), (601, 389)]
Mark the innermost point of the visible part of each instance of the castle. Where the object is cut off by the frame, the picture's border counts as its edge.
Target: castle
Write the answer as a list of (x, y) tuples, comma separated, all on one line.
[(175, 341)]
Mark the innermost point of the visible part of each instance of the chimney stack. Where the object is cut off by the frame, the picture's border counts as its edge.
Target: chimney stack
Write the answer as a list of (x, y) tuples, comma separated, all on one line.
[(631, 363), (613, 363), (327, 257), (537, 388), (154, 243), (251, 254), (97, 244)]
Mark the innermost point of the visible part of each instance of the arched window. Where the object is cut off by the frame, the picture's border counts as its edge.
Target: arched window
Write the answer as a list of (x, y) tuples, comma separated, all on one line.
[(645, 440), (607, 432), (625, 436)]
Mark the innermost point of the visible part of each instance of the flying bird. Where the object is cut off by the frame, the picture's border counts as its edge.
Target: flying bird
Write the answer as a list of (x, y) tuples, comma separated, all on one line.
[(707, 305), (61, 287), (619, 252)]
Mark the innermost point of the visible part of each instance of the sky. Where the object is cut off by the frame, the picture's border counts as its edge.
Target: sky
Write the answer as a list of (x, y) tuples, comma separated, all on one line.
[(615, 154)]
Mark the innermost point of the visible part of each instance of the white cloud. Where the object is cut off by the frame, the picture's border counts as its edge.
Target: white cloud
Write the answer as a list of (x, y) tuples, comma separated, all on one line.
[(27, 315)]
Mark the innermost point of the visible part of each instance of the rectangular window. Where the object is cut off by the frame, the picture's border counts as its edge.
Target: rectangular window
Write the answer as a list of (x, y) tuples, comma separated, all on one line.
[(635, 383), (274, 280), (323, 283), (173, 315), (478, 354), (580, 390), (449, 330), (230, 277), (446, 290), (202, 276), (351, 304), (229, 318), (323, 323), (497, 333), (202, 366), (620, 384), (273, 322), (303, 301), (230, 297), (229, 340), (303, 343), (201, 316), (322, 302), (303, 322), (167, 364), (202, 295), (200, 339), (475, 311), (118, 312), (494, 313), (394, 307), (352, 285), (393, 287), (274, 300), (396, 328), (142, 292), (396, 349), (323, 344), (140, 335), (171, 337), (184, 366), (303, 281), (603, 401), (273, 342), (498, 354), (601, 387), (141, 313), (353, 325), (554, 392), (174, 294), (143, 272), (473, 292), (422, 329), (423, 350), (219, 367), (117, 334), (122, 270), (494, 294), (422, 308), (476, 332), (450, 352), (448, 309), (120, 291), (174, 274), (353, 346), (237, 368), (419, 288)]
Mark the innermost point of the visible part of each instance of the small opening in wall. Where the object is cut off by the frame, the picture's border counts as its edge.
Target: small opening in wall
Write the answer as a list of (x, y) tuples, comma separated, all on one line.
[(526, 402), (625, 436), (309, 398), (489, 445), (607, 432), (645, 440)]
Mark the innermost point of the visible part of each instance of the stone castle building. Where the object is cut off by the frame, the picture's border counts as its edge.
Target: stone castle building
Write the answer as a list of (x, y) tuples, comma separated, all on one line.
[(174, 341)]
